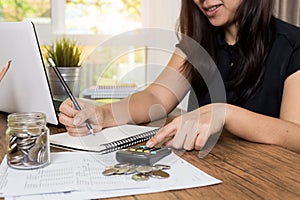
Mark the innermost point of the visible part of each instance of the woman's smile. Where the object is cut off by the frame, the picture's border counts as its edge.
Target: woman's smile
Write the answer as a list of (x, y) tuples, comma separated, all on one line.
[(212, 10)]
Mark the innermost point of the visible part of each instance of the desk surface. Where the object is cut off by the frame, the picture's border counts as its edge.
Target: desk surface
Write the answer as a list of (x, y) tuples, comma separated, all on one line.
[(248, 170)]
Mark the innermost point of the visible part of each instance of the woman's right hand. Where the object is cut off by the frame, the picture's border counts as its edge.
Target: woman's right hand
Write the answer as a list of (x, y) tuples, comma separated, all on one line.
[(74, 120)]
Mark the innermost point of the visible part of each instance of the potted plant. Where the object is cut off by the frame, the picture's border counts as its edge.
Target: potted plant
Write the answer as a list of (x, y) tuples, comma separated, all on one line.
[(66, 54)]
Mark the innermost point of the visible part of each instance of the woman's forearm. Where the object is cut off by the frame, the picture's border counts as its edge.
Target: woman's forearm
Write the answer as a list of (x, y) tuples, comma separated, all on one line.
[(262, 129), (139, 108)]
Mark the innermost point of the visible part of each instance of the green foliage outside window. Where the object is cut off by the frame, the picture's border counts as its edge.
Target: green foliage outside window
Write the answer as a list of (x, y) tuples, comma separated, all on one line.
[(131, 6), (102, 16), (20, 10)]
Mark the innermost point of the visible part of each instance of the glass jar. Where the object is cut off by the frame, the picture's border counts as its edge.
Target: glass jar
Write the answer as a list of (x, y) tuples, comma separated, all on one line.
[(27, 139)]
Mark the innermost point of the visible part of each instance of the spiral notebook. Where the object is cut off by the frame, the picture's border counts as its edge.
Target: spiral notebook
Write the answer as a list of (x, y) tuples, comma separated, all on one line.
[(105, 141)]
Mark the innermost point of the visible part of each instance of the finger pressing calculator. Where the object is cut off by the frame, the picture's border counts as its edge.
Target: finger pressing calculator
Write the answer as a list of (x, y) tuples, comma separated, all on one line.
[(142, 155)]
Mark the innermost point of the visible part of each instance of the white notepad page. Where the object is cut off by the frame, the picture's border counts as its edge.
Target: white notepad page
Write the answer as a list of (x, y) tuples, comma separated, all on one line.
[(93, 142)]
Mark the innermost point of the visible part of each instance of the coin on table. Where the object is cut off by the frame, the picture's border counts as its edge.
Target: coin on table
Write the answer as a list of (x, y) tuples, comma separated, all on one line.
[(109, 172), (159, 174), (109, 167), (125, 164), (130, 171), (122, 170), (144, 169), (161, 167), (140, 177)]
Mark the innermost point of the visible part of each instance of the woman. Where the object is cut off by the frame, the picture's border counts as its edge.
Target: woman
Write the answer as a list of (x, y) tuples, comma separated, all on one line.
[(258, 57)]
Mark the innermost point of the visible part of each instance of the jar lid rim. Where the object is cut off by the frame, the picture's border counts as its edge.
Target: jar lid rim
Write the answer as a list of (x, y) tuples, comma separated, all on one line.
[(26, 115)]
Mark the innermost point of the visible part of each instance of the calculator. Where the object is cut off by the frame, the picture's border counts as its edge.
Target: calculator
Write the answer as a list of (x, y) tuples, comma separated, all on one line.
[(142, 155)]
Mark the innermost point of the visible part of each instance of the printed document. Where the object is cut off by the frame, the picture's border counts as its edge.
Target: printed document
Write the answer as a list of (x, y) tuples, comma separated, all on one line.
[(79, 174)]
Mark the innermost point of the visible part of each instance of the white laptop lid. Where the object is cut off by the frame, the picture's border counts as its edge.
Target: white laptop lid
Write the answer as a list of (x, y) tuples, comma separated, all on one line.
[(25, 86)]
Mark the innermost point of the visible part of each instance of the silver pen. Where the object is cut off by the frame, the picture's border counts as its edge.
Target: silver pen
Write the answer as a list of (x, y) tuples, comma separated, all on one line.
[(73, 99)]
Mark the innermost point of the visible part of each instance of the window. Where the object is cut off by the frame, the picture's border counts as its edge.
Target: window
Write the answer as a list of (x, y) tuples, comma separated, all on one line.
[(102, 16), (93, 21), (114, 65), (25, 10), (83, 19), (108, 17)]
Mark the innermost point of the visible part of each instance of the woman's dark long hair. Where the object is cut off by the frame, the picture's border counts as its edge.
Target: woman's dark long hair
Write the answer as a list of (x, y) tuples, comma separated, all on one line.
[(253, 19)]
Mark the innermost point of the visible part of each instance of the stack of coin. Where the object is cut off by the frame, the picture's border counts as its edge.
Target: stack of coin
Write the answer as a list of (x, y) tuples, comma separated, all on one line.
[(138, 173), (27, 149)]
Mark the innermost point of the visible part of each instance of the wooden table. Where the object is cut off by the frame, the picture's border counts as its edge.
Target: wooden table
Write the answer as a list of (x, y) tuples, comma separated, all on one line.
[(248, 170)]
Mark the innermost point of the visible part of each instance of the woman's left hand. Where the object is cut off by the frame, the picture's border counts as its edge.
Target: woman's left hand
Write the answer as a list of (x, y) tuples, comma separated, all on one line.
[(191, 130)]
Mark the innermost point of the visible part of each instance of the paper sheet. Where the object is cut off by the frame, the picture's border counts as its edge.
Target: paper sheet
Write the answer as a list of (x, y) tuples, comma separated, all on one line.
[(75, 174)]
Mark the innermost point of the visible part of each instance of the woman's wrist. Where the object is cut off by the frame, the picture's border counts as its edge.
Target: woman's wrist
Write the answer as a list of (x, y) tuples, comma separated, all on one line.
[(229, 115), (104, 114)]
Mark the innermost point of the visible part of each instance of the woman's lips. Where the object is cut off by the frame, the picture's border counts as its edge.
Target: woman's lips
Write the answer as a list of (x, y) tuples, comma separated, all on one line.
[(211, 11)]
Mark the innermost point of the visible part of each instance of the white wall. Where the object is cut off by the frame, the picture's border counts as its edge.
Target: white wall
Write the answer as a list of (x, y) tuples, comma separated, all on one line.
[(161, 14)]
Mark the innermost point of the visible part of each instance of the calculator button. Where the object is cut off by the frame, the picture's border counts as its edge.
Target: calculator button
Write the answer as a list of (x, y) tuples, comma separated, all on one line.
[(141, 148), (155, 148)]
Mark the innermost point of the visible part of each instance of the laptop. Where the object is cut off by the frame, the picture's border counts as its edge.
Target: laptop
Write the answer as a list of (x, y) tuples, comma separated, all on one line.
[(25, 86)]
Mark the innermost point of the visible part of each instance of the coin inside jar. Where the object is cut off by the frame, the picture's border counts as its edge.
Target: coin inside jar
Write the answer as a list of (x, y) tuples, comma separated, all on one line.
[(34, 131), (42, 156), (41, 140), (15, 157), (27, 140)]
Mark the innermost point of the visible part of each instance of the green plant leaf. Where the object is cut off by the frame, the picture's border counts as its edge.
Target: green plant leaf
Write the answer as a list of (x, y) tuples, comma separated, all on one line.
[(64, 52)]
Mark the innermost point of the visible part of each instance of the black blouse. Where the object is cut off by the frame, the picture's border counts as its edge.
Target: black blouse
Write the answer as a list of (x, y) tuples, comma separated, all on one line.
[(283, 60)]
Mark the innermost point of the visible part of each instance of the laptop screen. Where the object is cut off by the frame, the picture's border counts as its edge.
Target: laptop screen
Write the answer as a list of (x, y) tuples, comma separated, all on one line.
[(25, 86)]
